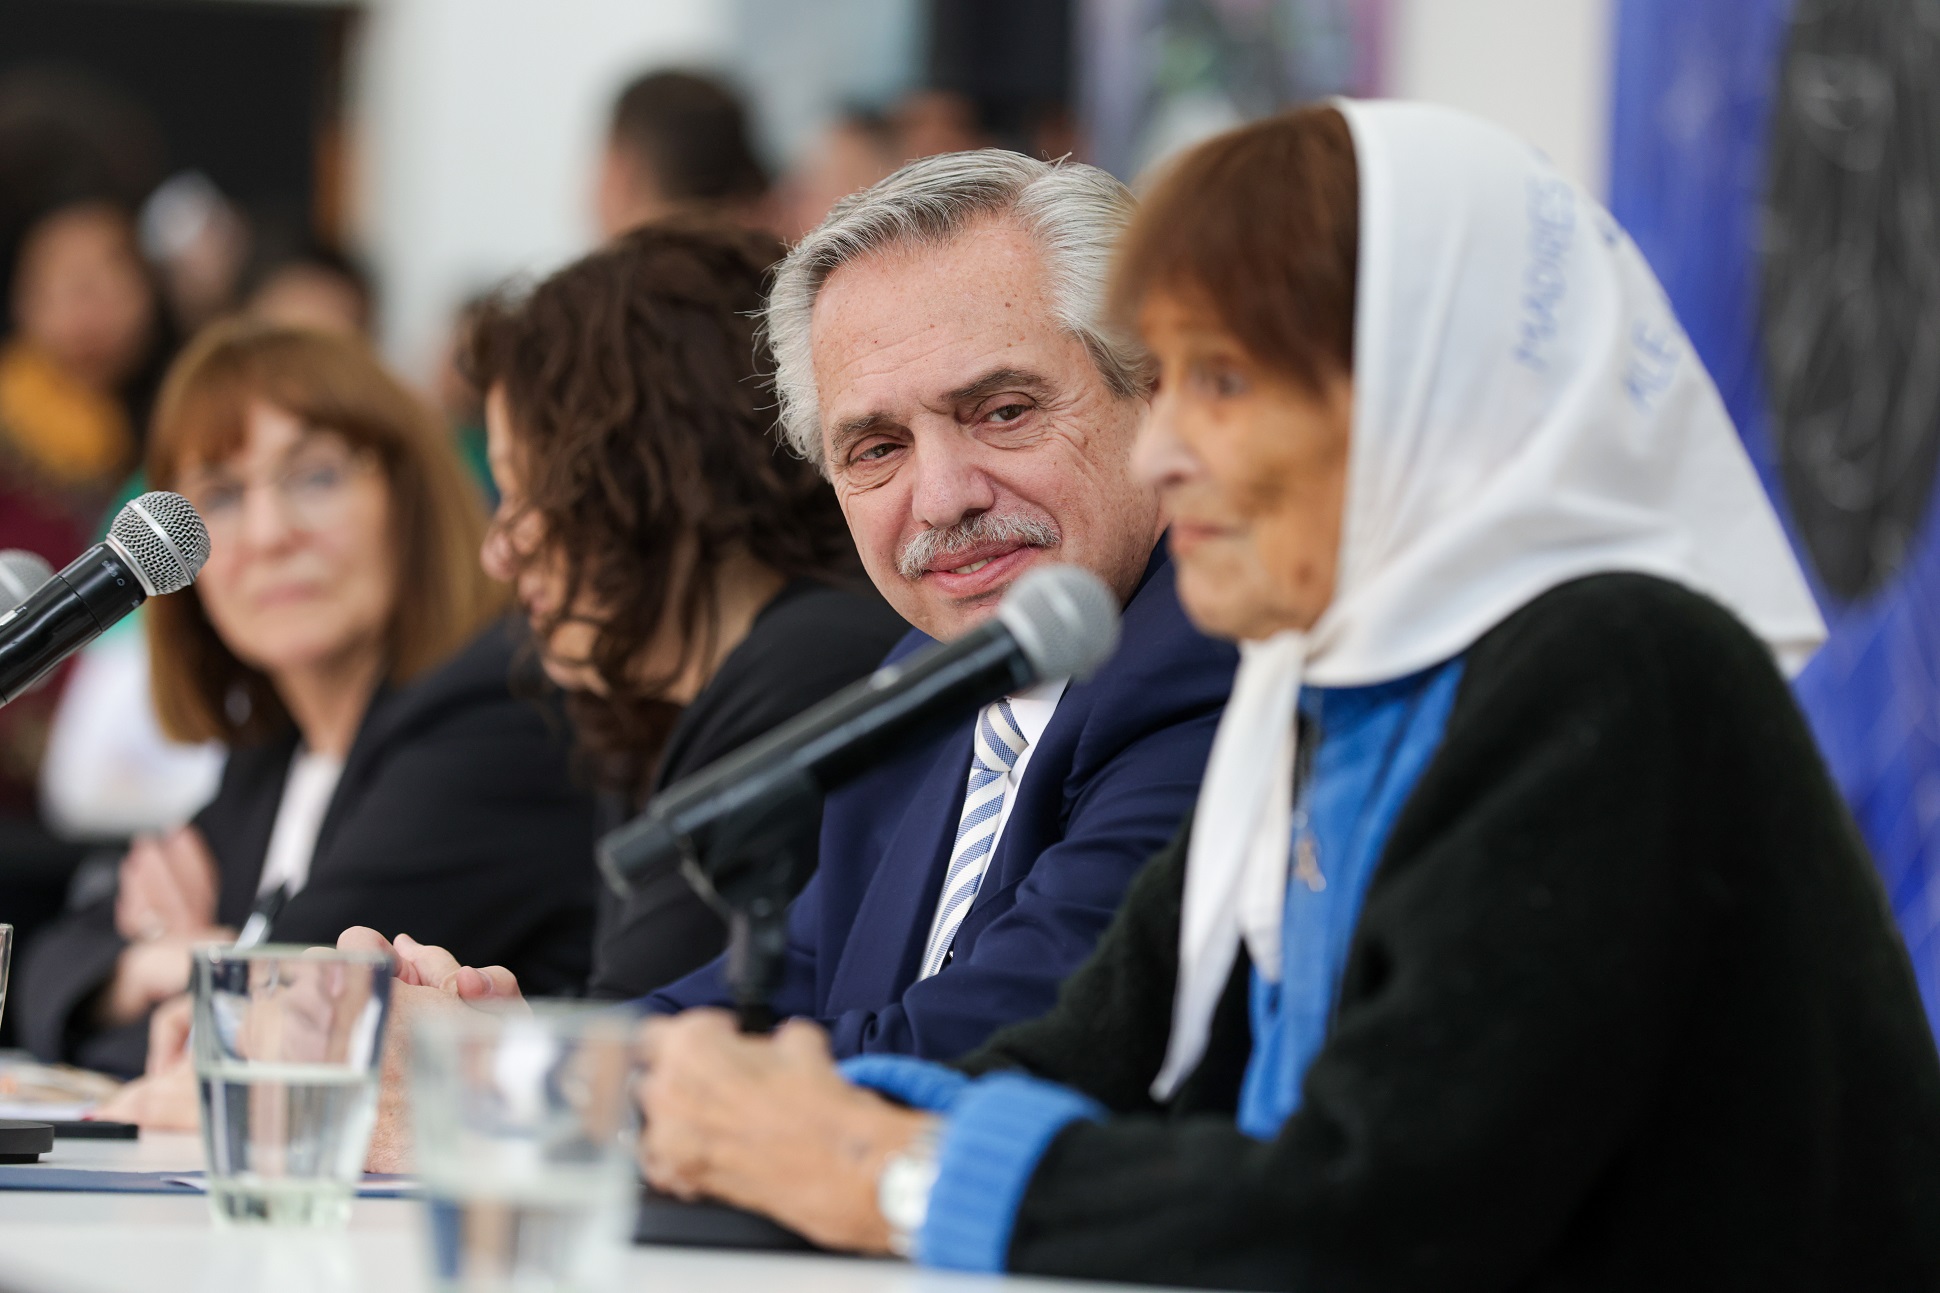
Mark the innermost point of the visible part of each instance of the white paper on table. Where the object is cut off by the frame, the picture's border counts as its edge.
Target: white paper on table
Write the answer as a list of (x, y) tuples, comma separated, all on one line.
[(40, 1111), (375, 1185)]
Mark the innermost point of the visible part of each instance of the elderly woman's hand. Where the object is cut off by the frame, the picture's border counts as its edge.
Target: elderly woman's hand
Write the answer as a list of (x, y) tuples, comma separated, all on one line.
[(767, 1123)]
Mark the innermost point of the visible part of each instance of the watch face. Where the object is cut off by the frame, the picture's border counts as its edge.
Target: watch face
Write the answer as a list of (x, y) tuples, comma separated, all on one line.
[(903, 1192)]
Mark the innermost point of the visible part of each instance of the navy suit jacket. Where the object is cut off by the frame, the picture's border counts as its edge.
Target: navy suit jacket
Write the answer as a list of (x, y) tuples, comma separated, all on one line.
[(1113, 775)]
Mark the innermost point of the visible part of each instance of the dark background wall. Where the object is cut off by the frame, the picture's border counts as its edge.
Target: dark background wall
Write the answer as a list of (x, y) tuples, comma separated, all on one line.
[(246, 93)]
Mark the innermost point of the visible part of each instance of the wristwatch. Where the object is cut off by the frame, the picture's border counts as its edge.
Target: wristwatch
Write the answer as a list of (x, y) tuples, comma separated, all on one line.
[(903, 1189)]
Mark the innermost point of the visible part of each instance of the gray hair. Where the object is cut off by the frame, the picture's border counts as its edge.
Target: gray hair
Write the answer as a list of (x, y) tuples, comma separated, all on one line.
[(1074, 212)]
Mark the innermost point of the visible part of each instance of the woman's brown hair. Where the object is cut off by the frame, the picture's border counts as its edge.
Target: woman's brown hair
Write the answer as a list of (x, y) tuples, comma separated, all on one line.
[(202, 690), (1260, 225), (643, 421)]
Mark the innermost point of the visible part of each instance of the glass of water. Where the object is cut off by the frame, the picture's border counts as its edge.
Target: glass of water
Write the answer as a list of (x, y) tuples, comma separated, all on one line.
[(521, 1123), (287, 1043), (6, 958)]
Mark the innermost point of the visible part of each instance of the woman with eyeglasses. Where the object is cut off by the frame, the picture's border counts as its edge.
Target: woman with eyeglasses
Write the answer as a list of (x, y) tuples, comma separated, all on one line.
[(344, 644)]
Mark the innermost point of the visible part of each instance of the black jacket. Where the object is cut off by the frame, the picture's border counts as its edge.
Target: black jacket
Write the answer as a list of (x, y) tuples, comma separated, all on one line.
[(456, 820), (1624, 1010), (807, 643)]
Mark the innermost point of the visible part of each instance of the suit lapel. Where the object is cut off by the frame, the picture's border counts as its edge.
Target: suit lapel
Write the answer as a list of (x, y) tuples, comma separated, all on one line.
[(902, 892)]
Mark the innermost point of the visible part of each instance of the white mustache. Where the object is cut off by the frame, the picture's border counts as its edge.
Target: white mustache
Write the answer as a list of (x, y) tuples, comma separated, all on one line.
[(921, 552)]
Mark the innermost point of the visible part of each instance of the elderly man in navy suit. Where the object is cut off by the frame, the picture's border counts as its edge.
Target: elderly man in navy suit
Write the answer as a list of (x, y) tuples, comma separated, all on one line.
[(938, 353)]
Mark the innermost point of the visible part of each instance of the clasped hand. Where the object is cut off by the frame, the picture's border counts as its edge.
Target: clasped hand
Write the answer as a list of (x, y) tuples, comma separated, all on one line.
[(165, 903)]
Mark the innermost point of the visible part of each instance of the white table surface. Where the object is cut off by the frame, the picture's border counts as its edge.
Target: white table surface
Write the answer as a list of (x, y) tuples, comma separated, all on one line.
[(147, 1243)]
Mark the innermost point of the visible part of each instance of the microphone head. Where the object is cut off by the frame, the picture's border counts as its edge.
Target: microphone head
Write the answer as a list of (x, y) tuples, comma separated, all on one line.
[(1064, 618), (21, 575), (164, 538)]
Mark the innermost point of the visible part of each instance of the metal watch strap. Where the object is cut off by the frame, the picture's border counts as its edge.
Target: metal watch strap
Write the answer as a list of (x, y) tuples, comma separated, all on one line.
[(903, 1189)]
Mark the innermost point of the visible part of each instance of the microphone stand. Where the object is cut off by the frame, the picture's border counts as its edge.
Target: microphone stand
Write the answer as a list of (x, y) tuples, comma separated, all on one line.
[(749, 868)]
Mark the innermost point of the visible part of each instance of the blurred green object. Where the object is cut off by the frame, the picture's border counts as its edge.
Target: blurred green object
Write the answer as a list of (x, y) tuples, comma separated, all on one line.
[(469, 436)]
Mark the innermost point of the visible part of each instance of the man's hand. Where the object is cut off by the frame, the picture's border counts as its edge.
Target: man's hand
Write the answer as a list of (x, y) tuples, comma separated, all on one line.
[(167, 888), (427, 979), (767, 1123)]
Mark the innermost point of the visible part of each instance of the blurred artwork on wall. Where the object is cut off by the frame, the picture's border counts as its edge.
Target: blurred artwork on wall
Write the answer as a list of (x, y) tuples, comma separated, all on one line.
[(1157, 76), (1777, 163)]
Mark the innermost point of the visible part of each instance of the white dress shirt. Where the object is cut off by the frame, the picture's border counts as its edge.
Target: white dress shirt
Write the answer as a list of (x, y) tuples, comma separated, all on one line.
[(299, 819)]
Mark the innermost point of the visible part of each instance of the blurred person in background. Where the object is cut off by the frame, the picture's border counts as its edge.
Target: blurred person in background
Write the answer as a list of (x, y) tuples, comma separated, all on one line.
[(67, 135), (1520, 939), (679, 141), (199, 241), (83, 324), (928, 123), (854, 151), (310, 285), (83, 329), (691, 584), (343, 644)]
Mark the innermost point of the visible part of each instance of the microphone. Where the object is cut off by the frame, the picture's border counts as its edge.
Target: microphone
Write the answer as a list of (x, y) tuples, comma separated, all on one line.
[(156, 545), (21, 573), (1055, 622)]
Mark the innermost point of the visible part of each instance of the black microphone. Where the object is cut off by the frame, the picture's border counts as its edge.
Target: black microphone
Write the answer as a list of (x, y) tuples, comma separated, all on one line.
[(21, 572), (156, 545), (1055, 622)]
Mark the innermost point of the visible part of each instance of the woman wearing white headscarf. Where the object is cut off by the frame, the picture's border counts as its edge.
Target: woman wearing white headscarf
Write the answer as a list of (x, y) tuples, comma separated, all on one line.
[(1519, 940)]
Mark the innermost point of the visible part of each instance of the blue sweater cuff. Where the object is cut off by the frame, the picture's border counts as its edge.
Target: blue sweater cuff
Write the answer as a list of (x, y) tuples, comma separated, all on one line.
[(916, 1083), (996, 1133)]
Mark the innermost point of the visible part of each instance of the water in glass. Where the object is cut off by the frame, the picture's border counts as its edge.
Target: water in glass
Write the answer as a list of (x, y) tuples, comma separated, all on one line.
[(287, 1043), (519, 1135)]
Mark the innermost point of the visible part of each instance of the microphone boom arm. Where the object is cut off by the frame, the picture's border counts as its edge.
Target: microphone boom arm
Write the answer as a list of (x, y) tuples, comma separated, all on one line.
[(754, 865)]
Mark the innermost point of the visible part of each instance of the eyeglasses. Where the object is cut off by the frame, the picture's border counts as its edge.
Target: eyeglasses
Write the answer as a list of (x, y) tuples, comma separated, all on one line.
[(311, 489)]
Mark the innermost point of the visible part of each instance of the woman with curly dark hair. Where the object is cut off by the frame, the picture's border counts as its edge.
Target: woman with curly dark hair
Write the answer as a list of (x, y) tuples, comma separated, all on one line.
[(690, 582)]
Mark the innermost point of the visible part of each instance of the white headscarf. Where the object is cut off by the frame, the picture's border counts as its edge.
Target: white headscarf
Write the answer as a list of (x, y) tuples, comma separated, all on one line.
[(1526, 411)]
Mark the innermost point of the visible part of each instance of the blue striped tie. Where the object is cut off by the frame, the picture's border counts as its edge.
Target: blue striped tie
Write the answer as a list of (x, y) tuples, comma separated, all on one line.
[(998, 744)]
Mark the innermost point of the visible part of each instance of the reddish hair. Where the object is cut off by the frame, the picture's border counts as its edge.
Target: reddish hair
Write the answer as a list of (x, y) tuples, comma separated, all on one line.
[(336, 384), (1260, 225)]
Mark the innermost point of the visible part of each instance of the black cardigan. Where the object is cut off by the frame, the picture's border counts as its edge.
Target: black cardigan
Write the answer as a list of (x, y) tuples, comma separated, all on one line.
[(1625, 1010), (456, 820), (810, 641)]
